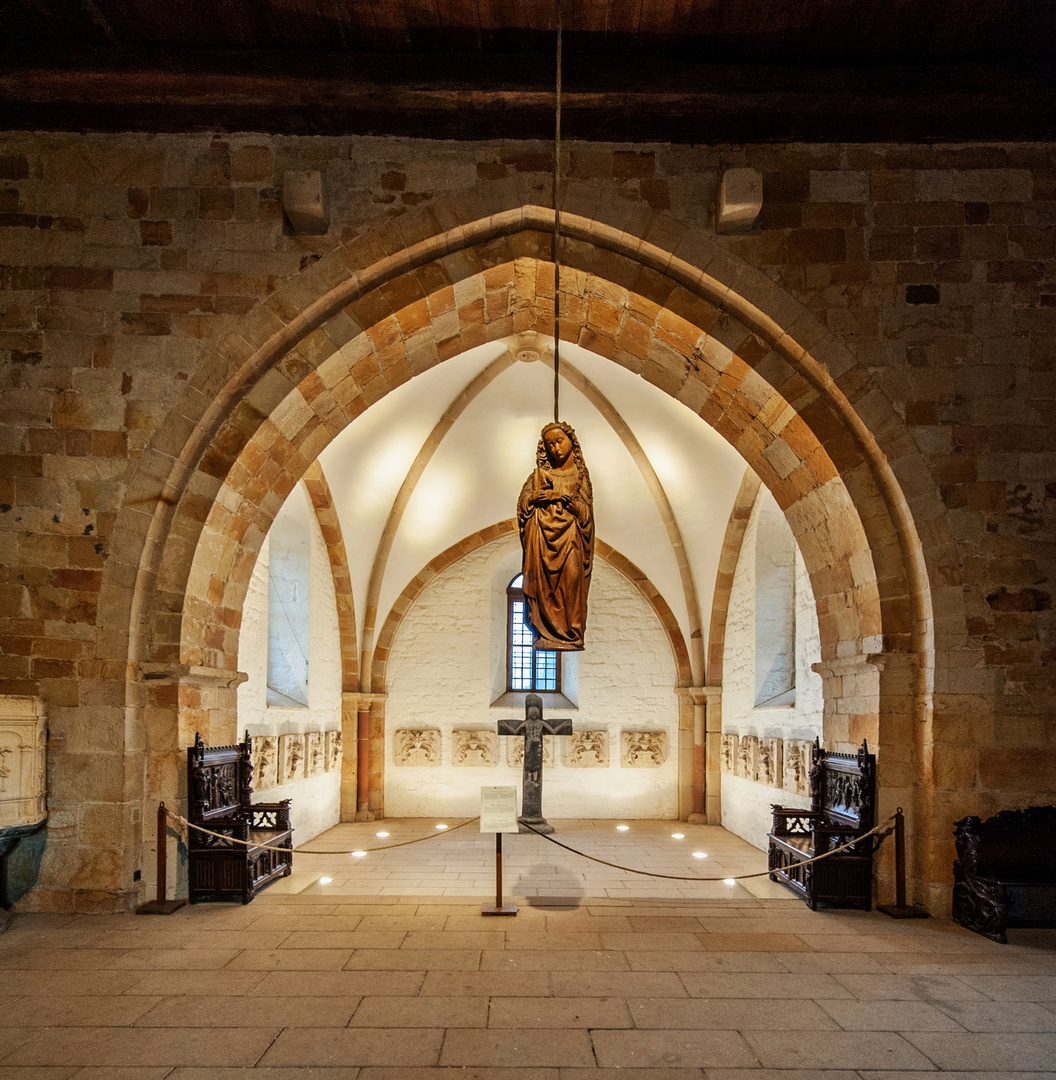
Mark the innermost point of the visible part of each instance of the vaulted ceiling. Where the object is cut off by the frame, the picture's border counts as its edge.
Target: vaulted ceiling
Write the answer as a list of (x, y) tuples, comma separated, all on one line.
[(672, 70)]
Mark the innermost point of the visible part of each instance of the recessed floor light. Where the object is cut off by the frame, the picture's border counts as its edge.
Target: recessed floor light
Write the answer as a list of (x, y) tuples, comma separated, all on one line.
[(441, 826), (678, 836), (622, 828), (729, 881), (325, 880), (358, 854), (700, 854), (382, 834)]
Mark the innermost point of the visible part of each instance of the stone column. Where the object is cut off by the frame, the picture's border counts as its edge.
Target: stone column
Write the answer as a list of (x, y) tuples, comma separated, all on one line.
[(23, 795), (359, 716)]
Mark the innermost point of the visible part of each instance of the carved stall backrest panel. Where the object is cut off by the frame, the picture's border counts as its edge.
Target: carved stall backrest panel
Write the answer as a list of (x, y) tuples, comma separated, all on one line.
[(585, 750), (220, 780), (644, 749), (475, 748), (417, 746), (843, 786)]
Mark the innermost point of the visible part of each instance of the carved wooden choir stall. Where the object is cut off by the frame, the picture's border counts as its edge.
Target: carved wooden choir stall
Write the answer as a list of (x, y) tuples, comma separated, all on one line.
[(843, 807), (219, 785), (1005, 873)]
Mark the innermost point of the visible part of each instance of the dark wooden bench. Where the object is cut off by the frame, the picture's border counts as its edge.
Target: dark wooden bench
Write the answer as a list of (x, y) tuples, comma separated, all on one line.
[(842, 807), (1005, 872), (219, 787)]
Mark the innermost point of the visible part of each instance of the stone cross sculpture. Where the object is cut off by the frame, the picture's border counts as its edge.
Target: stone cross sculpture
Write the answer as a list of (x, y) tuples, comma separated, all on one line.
[(533, 727)]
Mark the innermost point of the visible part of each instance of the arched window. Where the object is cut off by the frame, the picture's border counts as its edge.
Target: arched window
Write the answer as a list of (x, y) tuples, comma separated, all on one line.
[(526, 668), (289, 606), (775, 609)]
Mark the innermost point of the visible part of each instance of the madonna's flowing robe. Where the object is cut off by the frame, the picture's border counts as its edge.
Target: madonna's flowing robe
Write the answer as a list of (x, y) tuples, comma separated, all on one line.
[(558, 543)]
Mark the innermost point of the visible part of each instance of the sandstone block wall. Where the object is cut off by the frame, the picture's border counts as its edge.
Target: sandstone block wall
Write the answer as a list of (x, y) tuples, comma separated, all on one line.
[(125, 260)]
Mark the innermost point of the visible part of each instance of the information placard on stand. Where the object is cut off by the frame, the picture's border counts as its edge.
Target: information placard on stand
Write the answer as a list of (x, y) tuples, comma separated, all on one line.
[(498, 814)]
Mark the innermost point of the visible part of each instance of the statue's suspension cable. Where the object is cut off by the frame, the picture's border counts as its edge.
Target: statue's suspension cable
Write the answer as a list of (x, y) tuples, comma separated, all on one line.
[(557, 226)]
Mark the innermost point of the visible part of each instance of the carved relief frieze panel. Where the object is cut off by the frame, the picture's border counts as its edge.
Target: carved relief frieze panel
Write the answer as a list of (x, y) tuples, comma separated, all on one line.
[(768, 763), (587, 750), (418, 746), (644, 749), (333, 751), (291, 758), (515, 750), (474, 748), (796, 772), (313, 753), (265, 761), (746, 754), (728, 757)]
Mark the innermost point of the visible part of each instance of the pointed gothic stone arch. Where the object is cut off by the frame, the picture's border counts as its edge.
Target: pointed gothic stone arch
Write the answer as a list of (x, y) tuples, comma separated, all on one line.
[(661, 299)]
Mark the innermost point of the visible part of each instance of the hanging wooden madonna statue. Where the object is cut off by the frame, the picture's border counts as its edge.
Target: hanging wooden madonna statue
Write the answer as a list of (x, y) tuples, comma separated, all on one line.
[(555, 513)]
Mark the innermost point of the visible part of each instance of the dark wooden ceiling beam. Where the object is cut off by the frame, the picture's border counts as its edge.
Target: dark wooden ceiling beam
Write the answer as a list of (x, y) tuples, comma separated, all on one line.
[(511, 96)]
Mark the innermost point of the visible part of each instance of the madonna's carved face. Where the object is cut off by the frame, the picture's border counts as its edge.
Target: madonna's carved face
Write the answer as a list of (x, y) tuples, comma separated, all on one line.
[(558, 446)]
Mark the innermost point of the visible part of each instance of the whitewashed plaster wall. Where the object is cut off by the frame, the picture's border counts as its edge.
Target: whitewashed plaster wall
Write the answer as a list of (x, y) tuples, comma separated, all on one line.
[(316, 799), (746, 804), (441, 676)]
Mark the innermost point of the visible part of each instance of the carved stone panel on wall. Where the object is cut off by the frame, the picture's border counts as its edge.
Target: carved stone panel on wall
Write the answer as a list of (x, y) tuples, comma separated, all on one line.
[(729, 752), (23, 760), (333, 751), (265, 761), (796, 773), (587, 750), (644, 749), (515, 750), (475, 748), (746, 752), (291, 758), (768, 763), (313, 758), (418, 746)]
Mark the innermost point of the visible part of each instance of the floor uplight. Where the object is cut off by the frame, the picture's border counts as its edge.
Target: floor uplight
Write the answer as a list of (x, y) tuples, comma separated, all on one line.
[(441, 826), (358, 854), (700, 854), (381, 834), (325, 880), (678, 836), (622, 828), (729, 881)]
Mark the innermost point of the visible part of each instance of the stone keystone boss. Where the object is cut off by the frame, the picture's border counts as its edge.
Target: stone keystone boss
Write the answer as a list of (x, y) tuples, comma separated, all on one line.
[(555, 514), (532, 727)]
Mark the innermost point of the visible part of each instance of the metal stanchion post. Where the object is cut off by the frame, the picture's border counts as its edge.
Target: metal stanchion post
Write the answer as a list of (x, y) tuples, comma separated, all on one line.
[(900, 909), (161, 906), (498, 908)]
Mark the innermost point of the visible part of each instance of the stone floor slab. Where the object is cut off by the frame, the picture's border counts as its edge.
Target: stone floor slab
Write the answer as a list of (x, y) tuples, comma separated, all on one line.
[(908, 987), (219, 983), (837, 1050), (552, 1014), (343, 984), (990, 1050), (290, 960), (889, 1016), (732, 984), (559, 960), (500, 1048), (637, 984), (249, 1011), (1001, 1015), (417, 1012), (414, 959), (666, 1049), (358, 1046), (486, 984), (705, 961), (741, 1014), (1014, 987)]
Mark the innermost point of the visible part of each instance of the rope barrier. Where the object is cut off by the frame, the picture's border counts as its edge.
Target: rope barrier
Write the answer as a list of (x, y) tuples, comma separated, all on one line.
[(185, 824), (887, 825), (743, 877)]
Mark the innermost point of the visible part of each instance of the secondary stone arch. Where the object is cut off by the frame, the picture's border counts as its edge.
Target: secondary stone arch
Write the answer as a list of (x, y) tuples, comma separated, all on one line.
[(665, 301)]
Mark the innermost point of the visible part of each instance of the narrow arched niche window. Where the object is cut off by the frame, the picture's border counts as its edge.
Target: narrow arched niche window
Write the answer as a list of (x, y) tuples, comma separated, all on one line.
[(775, 610), (527, 669), (289, 610)]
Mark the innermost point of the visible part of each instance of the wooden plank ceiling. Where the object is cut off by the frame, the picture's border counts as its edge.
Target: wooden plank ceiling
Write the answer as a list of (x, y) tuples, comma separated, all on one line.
[(635, 70)]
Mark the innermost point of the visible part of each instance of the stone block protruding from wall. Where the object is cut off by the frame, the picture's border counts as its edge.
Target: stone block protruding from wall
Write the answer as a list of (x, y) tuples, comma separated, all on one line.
[(474, 748), (23, 738), (333, 751), (747, 750), (768, 763), (515, 750), (314, 753), (587, 750), (730, 751), (417, 746), (796, 771), (265, 761), (291, 758), (644, 749)]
